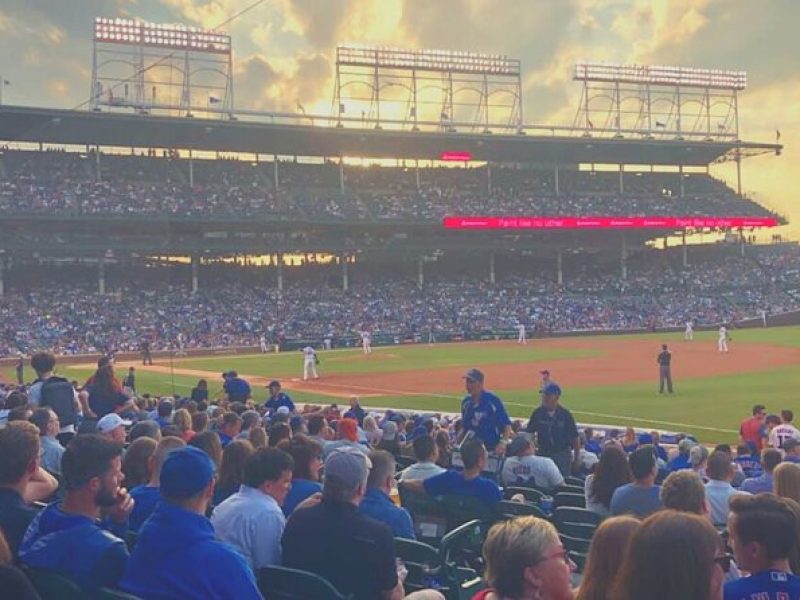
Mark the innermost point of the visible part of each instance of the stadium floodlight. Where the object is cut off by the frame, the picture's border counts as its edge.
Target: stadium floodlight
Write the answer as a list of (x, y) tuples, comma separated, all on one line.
[(664, 75), (360, 55), (174, 37)]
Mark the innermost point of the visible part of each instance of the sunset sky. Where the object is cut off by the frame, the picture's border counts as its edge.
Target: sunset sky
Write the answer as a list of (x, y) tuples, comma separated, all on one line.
[(284, 52)]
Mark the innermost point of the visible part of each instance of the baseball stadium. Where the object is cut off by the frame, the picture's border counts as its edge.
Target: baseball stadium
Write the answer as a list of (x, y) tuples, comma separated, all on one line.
[(380, 262)]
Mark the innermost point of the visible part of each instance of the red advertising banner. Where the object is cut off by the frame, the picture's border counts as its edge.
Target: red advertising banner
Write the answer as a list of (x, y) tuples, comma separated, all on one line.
[(606, 222)]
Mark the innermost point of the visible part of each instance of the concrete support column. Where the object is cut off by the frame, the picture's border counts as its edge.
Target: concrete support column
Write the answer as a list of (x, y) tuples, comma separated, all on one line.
[(416, 174), (492, 277), (341, 175), (275, 181), (280, 271), (682, 186), (195, 270), (685, 251), (420, 272), (621, 180), (101, 277), (741, 241), (559, 268), (489, 178), (558, 191), (345, 274), (624, 259), (191, 169)]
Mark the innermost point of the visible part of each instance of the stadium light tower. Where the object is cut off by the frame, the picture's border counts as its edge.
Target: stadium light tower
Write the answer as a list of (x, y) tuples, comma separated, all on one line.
[(469, 89), (152, 66), (651, 100)]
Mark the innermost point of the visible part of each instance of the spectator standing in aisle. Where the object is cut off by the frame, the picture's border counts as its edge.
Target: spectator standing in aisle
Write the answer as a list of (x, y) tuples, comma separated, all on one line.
[(556, 433), (483, 413)]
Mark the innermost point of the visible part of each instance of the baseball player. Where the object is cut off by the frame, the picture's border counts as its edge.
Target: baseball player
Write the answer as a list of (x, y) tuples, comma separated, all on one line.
[(181, 345), (263, 343), (722, 342), (688, 335), (522, 338), (366, 342), (310, 361)]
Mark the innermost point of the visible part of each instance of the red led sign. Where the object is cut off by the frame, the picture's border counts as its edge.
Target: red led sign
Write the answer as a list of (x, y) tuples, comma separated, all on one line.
[(606, 222), (455, 156)]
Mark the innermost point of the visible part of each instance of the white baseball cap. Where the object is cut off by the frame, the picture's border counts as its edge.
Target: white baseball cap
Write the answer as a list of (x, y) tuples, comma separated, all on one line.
[(110, 422)]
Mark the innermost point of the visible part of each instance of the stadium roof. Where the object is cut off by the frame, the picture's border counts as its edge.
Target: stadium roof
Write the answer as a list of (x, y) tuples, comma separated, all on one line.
[(58, 126)]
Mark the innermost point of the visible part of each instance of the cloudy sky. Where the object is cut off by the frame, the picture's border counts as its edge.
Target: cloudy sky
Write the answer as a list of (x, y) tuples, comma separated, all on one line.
[(284, 52)]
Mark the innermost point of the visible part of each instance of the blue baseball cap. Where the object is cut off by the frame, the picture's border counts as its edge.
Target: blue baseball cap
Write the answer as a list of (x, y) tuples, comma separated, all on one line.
[(186, 472), (474, 375), (551, 389)]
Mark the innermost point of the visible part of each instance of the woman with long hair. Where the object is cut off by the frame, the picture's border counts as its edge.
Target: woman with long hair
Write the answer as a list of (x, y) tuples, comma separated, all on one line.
[(673, 555), (136, 463), (105, 391), (372, 431), (200, 421), (182, 421), (442, 440), (231, 473), (307, 455), (209, 442), (786, 481), (605, 557), (258, 437), (611, 472)]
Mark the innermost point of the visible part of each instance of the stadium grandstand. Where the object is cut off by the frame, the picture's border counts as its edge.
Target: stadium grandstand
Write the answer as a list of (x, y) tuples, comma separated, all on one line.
[(199, 235)]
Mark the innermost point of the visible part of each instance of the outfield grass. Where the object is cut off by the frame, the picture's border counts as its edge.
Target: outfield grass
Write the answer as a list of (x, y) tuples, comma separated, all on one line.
[(709, 407)]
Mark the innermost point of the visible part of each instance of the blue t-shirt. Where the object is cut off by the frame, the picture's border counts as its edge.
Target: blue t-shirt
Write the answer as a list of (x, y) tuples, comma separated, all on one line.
[(238, 389), (377, 505), (635, 500), (767, 585), (273, 404), (679, 462), (453, 482), (487, 419), (145, 498), (301, 489)]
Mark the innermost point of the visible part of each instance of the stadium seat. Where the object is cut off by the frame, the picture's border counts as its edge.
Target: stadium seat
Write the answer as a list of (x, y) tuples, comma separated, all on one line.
[(531, 494), (428, 514), (569, 489), (53, 586), (403, 462), (508, 509), (460, 552), (575, 522), (576, 481), (281, 583), (569, 499), (461, 509), (425, 568), (573, 544)]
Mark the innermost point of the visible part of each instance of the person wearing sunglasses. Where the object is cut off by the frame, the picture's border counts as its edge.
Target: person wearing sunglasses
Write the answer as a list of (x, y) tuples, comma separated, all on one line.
[(764, 532), (524, 560)]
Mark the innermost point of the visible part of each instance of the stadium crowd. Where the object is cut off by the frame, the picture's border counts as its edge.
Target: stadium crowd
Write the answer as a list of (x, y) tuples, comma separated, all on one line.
[(56, 183), (235, 308), (102, 488)]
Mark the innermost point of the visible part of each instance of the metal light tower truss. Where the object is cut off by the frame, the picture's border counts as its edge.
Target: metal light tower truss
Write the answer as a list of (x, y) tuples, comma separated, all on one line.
[(658, 101), (149, 67), (443, 89)]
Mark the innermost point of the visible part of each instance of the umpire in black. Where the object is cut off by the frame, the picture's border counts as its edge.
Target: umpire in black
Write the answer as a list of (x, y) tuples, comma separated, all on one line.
[(664, 361)]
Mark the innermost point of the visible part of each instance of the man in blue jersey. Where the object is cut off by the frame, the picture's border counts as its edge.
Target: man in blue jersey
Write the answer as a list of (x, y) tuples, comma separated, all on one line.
[(277, 398), (483, 413), (763, 532)]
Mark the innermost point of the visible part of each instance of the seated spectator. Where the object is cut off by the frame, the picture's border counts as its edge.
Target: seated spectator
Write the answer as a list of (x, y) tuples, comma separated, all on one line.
[(390, 438), (629, 441), (684, 491), (719, 490), (278, 432), (443, 448), (672, 555), (377, 503), (770, 458), (346, 437), (199, 422), (147, 495), (763, 530), (182, 420), (641, 497), (22, 480), (112, 427), (426, 453), (612, 471), (208, 442), (250, 419), (786, 479), (655, 439), (525, 559), (177, 554), (682, 460), (47, 422), (258, 438), (522, 466), (59, 395), (468, 482), (605, 557), (587, 460), (251, 520), (307, 455), (277, 399), (137, 464), (231, 473), (230, 426), (592, 443), (314, 537), (145, 429), (791, 451), (164, 413), (698, 459), (318, 430), (13, 582), (372, 432), (66, 537)]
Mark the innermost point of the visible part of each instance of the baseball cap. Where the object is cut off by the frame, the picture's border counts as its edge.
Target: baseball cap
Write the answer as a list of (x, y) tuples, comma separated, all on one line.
[(274, 383), (110, 422), (544, 372), (517, 445), (389, 430), (283, 410), (474, 375), (552, 389), (347, 466), (348, 429), (186, 472), (685, 445)]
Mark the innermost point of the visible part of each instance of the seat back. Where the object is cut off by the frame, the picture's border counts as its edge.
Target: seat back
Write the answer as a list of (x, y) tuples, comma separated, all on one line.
[(570, 489), (508, 509), (531, 494), (424, 565), (461, 509), (428, 514), (54, 586), (281, 583), (460, 549), (569, 499), (575, 522)]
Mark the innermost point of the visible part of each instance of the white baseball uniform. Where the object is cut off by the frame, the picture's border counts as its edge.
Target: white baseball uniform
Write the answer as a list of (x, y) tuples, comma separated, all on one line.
[(522, 338), (689, 333), (366, 342), (781, 433), (309, 363), (722, 342), (263, 342)]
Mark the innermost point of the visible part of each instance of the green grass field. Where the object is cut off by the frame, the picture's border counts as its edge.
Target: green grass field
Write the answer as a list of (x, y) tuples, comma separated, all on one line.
[(709, 407)]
